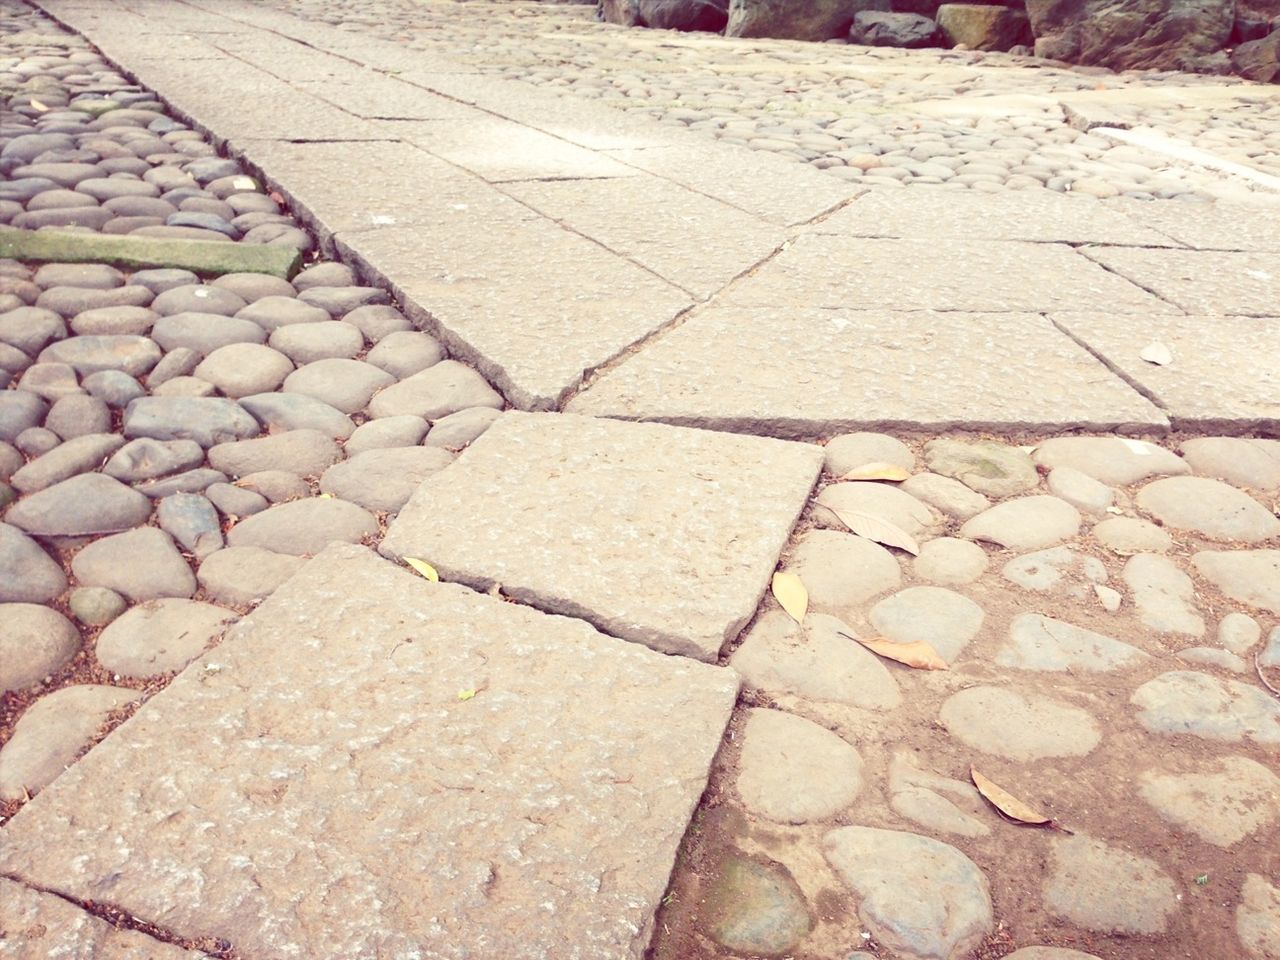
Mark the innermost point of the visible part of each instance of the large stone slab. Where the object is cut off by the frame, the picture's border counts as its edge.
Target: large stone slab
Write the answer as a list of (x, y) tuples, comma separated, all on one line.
[(813, 372), (325, 783), (1225, 371), (657, 534), (986, 275), (1199, 281)]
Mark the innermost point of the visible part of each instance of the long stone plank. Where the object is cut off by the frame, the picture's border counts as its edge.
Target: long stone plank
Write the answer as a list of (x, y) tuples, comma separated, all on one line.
[(373, 765)]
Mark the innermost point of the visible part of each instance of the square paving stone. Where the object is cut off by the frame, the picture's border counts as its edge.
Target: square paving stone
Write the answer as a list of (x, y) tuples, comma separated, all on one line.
[(696, 242), (657, 534), (372, 765), (972, 276), (813, 373), (1040, 215), (1225, 372), (1199, 281), (532, 305)]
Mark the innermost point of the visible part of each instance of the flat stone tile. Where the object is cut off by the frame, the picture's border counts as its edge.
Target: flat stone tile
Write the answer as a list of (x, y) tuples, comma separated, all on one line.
[(1209, 226), (377, 97), (696, 242), (653, 533), (971, 276), (290, 60), (501, 150), (40, 926), (531, 305), (1039, 215), (1225, 372), (812, 373), (752, 180), (1199, 281), (374, 765)]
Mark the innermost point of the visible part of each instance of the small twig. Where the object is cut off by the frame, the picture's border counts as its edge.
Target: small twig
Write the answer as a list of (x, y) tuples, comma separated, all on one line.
[(1257, 666)]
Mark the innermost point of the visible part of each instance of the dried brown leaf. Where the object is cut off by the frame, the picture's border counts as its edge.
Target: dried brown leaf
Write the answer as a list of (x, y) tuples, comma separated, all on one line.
[(917, 654), (789, 591), (881, 531), (877, 471), (1007, 803)]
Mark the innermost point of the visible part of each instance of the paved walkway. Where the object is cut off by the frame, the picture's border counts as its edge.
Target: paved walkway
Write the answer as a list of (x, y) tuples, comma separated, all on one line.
[(599, 736)]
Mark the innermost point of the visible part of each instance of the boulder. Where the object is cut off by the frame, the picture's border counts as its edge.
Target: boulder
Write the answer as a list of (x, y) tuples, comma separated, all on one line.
[(1255, 19), (788, 20), (876, 28), (980, 26), (1259, 59), (1133, 34), (685, 14), (625, 13)]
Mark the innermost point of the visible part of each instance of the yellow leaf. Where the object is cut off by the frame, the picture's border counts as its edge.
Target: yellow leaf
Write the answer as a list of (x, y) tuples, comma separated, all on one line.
[(917, 654), (1007, 803), (424, 568), (38, 106), (881, 531), (325, 496), (466, 694), (877, 471), (790, 592)]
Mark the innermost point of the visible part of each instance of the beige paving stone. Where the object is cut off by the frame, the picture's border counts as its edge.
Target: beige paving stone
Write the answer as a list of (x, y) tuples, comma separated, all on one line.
[(508, 820), (652, 533), (1199, 281), (803, 372), (1209, 226), (965, 275), (574, 307), (1225, 372), (697, 243)]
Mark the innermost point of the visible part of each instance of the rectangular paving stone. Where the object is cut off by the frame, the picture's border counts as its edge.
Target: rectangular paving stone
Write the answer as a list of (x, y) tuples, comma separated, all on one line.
[(696, 242), (378, 97), (41, 926), (1225, 372), (657, 534), (532, 305), (809, 373), (372, 765), (1199, 281), (1208, 226), (775, 189), (1040, 215), (971, 276)]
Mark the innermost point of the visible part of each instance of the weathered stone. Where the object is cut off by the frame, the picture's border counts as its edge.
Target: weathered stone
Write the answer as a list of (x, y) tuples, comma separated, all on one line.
[(200, 298), (942, 618), (1163, 594), (307, 342), (554, 471), (191, 520), (95, 606), (289, 411), (79, 416), (1131, 34), (1187, 702), (201, 333), (1250, 576), (235, 502), (456, 430), (347, 385), (76, 456), (34, 642), (304, 527), (31, 329), (86, 504), (946, 495), (1258, 59), (252, 287), (1238, 632), (933, 801), (389, 432), (1038, 642), (145, 459), (27, 573), (1080, 490), (1258, 918), (274, 313), (877, 500), (142, 564), (306, 452), (206, 420), (377, 321), (403, 649), (19, 411), (69, 301), (851, 450), (240, 576), (947, 560), (983, 27), (1243, 462), (340, 301), (1208, 507), (1028, 523), (1056, 570), (114, 321), (52, 381), (277, 486), (189, 481), (1129, 535), (243, 369), (817, 661), (1018, 726), (754, 907), (160, 636), (1213, 657), (384, 480), (1102, 888), (49, 735), (793, 771), (841, 571), (918, 896), (990, 468), (775, 18), (880, 28), (436, 392), (1221, 806), (129, 354), (404, 353), (1116, 461)]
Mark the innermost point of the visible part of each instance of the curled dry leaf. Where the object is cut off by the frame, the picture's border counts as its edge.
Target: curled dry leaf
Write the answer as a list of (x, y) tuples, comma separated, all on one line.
[(789, 591), (917, 654), (881, 531), (424, 568), (877, 471), (1157, 353), (1007, 803)]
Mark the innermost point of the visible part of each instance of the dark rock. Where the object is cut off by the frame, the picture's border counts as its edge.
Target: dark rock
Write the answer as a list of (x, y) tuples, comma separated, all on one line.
[(27, 573), (785, 19), (206, 420), (981, 26), (685, 14), (233, 501), (1259, 59), (133, 355), (19, 411), (192, 481), (115, 388), (76, 456), (146, 459), (203, 333), (191, 520), (1131, 34), (96, 606), (87, 504), (876, 28), (142, 564)]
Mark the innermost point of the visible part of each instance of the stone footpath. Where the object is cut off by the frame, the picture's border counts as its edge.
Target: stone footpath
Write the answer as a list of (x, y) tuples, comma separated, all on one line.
[(598, 730)]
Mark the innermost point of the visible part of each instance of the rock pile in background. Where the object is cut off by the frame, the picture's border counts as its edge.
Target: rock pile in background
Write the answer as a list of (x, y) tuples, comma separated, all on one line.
[(1212, 36)]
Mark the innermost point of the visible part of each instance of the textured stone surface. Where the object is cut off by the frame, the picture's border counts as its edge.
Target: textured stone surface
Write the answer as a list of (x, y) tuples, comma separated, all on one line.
[(89, 503), (383, 655), (384, 479), (304, 527), (1018, 726), (793, 771), (1236, 460), (1208, 507), (1027, 523), (584, 501), (1163, 594), (947, 560), (1184, 701), (755, 907), (1258, 917), (877, 500), (1038, 642), (1117, 461), (918, 896), (159, 636), (1198, 281), (933, 801), (850, 450), (1250, 576), (142, 564), (990, 468), (238, 576), (1106, 889), (942, 618), (27, 573), (34, 642), (1221, 804), (1129, 535)]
